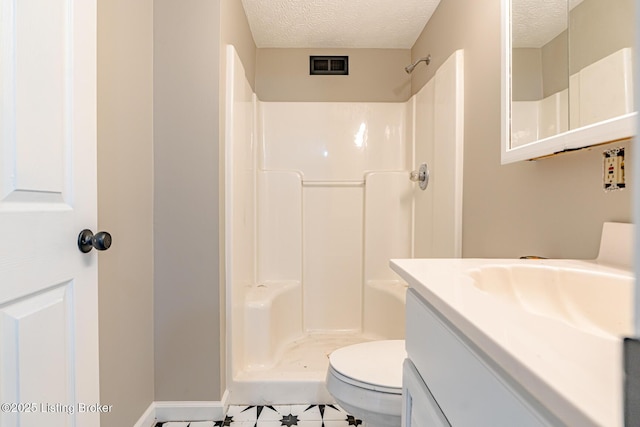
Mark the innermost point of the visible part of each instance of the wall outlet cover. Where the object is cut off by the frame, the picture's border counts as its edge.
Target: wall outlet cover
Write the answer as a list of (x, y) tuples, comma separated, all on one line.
[(613, 169)]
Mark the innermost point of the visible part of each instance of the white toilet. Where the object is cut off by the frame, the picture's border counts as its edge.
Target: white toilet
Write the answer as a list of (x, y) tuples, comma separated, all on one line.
[(366, 381)]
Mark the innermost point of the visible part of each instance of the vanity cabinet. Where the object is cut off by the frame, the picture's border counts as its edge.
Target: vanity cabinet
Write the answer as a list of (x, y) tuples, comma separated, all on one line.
[(419, 408), (449, 381)]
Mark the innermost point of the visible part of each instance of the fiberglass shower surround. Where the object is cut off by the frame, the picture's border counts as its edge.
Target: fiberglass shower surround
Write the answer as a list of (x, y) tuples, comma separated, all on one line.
[(318, 199)]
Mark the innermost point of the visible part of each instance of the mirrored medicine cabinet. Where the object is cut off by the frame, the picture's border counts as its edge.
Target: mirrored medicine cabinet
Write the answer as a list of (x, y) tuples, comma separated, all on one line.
[(567, 75)]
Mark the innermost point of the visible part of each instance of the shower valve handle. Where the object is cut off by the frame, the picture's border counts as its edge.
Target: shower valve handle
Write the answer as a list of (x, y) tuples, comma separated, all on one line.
[(421, 176)]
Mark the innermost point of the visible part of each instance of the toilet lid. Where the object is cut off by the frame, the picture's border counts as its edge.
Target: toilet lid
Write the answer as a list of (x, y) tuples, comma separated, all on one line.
[(377, 363)]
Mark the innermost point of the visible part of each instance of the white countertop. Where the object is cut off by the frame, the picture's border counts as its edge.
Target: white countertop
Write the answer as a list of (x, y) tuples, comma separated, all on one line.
[(577, 373)]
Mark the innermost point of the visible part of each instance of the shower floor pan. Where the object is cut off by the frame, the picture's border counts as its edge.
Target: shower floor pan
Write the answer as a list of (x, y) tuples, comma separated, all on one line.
[(299, 375), (283, 365)]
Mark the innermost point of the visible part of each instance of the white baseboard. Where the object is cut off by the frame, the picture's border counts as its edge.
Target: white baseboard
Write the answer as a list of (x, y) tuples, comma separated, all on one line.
[(184, 411), (148, 418)]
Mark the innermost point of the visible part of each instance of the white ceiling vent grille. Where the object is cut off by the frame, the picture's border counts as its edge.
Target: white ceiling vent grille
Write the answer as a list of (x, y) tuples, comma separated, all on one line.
[(329, 65)]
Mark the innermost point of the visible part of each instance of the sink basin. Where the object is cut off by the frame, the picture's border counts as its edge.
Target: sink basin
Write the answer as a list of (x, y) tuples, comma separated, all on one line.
[(587, 299), (554, 326)]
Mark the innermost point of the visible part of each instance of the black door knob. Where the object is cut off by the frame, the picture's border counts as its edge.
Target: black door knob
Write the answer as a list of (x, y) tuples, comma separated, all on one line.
[(87, 241)]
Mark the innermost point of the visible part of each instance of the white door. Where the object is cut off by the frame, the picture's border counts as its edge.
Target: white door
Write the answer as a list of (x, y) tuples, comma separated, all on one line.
[(48, 288)]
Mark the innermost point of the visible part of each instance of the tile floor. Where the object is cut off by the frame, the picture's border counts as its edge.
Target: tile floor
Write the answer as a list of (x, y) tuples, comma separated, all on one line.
[(277, 416)]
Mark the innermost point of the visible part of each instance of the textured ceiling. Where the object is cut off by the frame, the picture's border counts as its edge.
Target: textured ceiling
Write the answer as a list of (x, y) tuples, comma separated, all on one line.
[(394, 24), (537, 22)]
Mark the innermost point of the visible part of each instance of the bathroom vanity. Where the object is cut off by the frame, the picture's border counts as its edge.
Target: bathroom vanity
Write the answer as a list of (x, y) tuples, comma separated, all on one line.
[(514, 342), (472, 389)]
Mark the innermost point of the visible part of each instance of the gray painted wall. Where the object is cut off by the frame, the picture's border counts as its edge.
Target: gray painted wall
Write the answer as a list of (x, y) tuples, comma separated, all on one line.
[(159, 69), (553, 207), (125, 190), (555, 65), (375, 75), (598, 28), (186, 298), (526, 71)]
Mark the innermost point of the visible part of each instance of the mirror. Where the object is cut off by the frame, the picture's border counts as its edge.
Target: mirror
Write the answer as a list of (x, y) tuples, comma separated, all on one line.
[(567, 75)]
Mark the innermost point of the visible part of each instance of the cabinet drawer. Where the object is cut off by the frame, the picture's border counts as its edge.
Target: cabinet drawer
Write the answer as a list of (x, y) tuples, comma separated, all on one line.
[(468, 389)]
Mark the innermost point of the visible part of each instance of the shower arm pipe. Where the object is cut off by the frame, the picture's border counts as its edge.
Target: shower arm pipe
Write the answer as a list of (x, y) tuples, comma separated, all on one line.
[(409, 68)]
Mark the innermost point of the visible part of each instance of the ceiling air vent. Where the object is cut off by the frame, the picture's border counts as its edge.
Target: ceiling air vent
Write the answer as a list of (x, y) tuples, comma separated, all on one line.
[(329, 65)]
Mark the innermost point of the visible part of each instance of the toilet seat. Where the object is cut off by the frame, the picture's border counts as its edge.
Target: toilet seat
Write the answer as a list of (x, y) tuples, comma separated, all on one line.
[(375, 365)]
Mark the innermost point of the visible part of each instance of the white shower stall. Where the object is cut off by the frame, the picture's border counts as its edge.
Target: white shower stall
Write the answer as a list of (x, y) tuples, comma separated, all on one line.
[(317, 200)]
